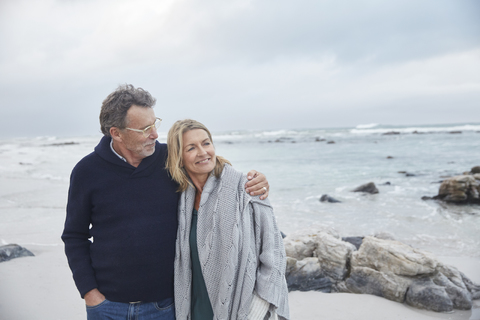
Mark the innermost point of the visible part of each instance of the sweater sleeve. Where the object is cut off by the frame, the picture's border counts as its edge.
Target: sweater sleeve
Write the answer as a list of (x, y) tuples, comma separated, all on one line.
[(76, 235), (270, 282)]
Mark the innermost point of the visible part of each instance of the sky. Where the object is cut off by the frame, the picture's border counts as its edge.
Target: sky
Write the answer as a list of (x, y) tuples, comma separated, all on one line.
[(240, 64)]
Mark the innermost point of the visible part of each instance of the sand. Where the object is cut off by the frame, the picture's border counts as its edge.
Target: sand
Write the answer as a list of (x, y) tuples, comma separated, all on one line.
[(41, 287)]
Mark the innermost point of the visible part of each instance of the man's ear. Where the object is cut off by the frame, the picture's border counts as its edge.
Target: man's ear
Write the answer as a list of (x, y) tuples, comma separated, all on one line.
[(116, 134)]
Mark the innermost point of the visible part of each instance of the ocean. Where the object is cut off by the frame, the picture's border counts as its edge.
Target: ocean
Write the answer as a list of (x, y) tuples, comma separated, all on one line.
[(405, 163)]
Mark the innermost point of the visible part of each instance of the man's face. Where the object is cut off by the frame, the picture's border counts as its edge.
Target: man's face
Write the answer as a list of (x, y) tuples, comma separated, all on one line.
[(134, 143)]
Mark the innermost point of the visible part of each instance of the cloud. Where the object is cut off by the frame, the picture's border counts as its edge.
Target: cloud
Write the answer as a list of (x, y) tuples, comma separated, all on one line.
[(243, 64)]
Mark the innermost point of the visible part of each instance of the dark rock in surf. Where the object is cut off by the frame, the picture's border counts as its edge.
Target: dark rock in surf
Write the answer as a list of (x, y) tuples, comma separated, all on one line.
[(61, 144), (367, 188), (331, 142), (11, 251), (475, 170), (356, 241), (461, 189), (327, 198), (390, 133)]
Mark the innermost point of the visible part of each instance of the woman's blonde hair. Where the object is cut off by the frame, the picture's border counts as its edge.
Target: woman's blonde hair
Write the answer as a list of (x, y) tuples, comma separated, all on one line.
[(175, 149)]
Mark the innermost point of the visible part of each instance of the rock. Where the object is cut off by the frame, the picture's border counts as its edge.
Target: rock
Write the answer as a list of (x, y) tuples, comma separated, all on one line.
[(460, 189), (455, 132), (370, 281), (305, 275), (356, 241), (11, 251), (368, 188), (60, 144), (318, 259), (384, 235), (319, 140), (459, 295), (389, 157), (333, 255), (390, 133), (393, 256), (475, 170), (331, 142), (386, 183), (327, 198), (425, 294), (303, 244), (283, 235)]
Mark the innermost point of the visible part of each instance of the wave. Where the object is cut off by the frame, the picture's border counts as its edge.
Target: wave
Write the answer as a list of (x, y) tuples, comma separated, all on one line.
[(367, 126), (419, 129)]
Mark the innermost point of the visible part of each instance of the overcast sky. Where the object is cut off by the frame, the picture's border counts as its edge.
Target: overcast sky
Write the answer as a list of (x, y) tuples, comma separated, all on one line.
[(240, 64)]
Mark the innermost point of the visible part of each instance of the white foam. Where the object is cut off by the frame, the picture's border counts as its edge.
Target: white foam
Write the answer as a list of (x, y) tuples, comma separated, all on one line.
[(367, 126), (439, 129)]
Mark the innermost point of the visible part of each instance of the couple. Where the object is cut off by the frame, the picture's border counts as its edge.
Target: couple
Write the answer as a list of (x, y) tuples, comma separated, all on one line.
[(225, 261)]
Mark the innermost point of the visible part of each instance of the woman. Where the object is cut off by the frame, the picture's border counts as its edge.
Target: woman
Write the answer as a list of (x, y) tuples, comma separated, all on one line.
[(230, 260)]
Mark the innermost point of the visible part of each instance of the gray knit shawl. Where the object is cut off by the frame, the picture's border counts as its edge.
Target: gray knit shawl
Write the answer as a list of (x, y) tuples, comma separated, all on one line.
[(240, 249)]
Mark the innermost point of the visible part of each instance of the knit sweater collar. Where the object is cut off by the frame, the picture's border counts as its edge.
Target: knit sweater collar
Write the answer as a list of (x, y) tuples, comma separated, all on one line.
[(104, 151)]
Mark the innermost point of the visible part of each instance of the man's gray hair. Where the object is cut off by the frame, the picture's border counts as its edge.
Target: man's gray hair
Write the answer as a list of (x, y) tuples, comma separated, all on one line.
[(115, 107)]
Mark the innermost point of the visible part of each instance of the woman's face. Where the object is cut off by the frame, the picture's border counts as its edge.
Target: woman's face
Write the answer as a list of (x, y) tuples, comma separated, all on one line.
[(198, 154)]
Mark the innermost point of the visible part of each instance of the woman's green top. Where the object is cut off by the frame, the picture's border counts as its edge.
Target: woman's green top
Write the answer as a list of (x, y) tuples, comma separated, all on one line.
[(201, 308)]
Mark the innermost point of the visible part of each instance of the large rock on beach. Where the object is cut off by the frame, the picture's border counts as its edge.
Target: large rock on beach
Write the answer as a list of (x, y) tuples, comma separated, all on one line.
[(333, 255), (382, 284), (306, 275), (11, 251), (424, 294), (367, 188), (319, 259), (393, 256)]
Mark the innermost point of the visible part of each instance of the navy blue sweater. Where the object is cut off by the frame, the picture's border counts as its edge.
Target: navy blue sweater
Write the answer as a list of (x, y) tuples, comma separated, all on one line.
[(131, 213)]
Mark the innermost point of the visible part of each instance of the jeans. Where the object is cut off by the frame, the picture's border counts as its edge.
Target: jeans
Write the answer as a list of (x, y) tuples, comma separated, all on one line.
[(109, 310)]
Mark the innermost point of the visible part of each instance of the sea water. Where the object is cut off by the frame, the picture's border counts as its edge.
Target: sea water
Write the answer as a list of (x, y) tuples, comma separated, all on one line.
[(405, 163)]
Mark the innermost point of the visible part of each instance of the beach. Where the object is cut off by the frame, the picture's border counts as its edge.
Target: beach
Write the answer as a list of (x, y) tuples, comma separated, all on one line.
[(41, 288), (34, 177)]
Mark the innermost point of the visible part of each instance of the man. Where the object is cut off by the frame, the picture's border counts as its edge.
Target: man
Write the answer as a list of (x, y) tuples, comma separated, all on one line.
[(121, 222)]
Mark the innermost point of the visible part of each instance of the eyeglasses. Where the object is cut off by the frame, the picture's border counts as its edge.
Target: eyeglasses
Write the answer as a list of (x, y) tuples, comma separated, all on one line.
[(148, 130)]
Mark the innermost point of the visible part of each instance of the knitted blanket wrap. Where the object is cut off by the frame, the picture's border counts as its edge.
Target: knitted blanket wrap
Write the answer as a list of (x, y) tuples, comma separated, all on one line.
[(240, 249)]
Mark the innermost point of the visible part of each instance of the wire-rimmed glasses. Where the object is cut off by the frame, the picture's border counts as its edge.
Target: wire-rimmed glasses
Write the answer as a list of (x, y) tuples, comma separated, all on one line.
[(148, 130)]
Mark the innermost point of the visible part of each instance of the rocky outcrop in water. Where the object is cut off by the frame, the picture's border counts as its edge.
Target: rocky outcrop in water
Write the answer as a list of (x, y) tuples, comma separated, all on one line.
[(460, 189), (327, 198), (11, 251), (367, 188), (319, 259)]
